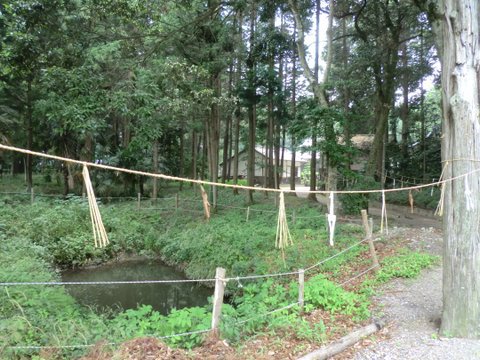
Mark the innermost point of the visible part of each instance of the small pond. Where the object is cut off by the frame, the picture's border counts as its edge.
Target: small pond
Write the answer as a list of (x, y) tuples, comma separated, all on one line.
[(162, 297)]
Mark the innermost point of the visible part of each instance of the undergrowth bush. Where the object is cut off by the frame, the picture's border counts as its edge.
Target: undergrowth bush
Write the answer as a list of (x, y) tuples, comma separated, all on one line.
[(406, 264), (321, 292)]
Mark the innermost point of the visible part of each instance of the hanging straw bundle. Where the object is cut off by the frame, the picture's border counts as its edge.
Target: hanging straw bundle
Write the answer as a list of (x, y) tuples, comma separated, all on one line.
[(439, 209), (99, 234), (384, 219), (331, 219), (283, 237)]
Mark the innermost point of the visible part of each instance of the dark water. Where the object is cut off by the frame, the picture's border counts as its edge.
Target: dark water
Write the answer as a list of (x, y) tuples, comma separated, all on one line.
[(162, 297)]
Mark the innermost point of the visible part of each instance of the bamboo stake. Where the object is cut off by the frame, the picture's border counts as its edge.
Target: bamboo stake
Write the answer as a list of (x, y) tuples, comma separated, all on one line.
[(410, 201), (301, 288), (218, 298), (206, 204), (369, 234)]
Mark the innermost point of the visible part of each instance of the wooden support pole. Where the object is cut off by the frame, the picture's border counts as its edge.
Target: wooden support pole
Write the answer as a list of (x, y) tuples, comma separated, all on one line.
[(32, 196), (369, 234), (139, 199), (177, 201), (218, 298), (248, 213), (301, 287)]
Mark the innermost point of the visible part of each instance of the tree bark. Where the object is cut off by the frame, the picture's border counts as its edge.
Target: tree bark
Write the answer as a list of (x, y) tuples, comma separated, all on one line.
[(318, 86), (238, 108), (181, 172), (227, 132), (213, 139), (29, 158), (457, 33), (155, 169), (404, 111), (293, 169), (194, 156), (252, 109)]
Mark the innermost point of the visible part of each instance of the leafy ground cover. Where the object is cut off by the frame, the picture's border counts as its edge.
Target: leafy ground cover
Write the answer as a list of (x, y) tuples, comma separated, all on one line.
[(55, 233)]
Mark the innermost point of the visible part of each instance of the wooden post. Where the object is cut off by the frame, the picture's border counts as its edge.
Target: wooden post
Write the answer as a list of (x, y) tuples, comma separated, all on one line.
[(218, 298), (369, 234), (248, 213), (32, 196), (176, 201), (301, 287), (139, 199)]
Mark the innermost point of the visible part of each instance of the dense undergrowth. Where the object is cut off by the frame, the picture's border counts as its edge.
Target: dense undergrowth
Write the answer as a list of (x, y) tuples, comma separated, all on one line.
[(50, 234)]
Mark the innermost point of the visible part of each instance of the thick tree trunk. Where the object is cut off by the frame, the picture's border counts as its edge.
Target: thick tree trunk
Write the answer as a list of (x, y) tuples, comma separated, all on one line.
[(181, 172), (29, 158), (293, 168), (204, 155), (193, 170), (318, 86), (227, 132), (238, 109), (375, 166), (404, 111), (313, 168), (155, 169), (213, 139), (252, 109), (87, 154), (457, 32)]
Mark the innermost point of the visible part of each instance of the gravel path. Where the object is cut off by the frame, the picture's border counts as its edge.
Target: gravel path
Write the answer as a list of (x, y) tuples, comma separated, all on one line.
[(412, 310)]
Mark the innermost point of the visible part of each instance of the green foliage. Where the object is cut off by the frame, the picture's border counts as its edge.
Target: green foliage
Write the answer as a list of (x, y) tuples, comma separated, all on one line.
[(39, 315), (407, 264), (427, 198), (144, 321), (242, 182), (320, 292), (352, 204)]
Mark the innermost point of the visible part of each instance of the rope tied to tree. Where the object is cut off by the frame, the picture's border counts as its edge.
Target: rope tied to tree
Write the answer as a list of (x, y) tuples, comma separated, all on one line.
[(99, 234), (439, 209), (283, 237)]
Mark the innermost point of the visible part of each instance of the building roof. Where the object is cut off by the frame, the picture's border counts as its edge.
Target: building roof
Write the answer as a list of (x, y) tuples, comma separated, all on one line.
[(287, 154)]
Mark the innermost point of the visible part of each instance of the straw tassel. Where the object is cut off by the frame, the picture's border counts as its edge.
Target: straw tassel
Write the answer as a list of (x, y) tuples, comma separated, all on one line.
[(99, 234), (331, 218), (283, 237), (384, 214)]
